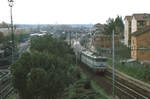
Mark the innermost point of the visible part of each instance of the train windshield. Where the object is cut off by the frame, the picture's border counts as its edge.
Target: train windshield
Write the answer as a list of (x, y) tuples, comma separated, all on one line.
[(101, 59)]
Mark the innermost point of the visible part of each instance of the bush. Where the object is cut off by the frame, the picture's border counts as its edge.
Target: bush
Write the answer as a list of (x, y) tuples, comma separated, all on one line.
[(79, 91)]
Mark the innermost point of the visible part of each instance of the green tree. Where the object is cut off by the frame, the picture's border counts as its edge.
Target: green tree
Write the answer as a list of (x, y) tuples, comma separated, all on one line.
[(109, 26), (50, 45), (55, 58), (36, 82), (114, 24), (119, 25)]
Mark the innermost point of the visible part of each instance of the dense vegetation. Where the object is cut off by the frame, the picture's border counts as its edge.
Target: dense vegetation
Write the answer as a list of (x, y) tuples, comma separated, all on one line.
[(46, 71), (81, 90), (135, 70)]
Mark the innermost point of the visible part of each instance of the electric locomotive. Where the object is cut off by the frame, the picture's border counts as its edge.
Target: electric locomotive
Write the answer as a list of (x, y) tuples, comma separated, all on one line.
[(93, 61)]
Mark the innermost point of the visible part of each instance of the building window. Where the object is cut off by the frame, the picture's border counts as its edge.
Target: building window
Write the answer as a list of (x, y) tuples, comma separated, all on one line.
[(96, 38), (130, 23), (141, 23)]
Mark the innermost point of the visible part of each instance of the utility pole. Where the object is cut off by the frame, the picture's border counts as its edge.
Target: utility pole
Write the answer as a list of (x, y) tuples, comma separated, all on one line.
[(76, 48), (70, 38), (113, 68), (12, 30)]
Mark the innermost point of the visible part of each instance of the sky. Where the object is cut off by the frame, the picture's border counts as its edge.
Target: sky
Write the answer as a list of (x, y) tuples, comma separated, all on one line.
[(70, 11)]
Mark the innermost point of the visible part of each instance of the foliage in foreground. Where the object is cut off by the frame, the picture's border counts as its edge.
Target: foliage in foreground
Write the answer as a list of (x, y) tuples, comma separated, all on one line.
[(81, 90), (84, 89), (45, 71)]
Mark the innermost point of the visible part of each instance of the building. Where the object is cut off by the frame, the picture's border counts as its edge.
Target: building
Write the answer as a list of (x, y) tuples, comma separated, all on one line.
[(98, 28), (134, 23), (140, 44), (105, 41), (127, 30)]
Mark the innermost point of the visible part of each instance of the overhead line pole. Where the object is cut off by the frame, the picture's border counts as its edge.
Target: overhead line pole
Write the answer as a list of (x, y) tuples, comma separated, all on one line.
[(12, 29), (76, 49), (70, 38), (113, 68)]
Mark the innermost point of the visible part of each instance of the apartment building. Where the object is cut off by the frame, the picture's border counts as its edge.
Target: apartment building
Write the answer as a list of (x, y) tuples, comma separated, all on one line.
[(140, 44), (134, 23), (105, 41), (127, 30)]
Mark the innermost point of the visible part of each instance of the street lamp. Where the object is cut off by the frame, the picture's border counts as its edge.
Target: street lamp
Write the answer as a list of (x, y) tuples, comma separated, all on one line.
[(10, 3), (12, 31)]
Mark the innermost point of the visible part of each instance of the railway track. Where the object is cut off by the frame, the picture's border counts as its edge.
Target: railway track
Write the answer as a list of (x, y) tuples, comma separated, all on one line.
[(5, 84), (4, 67), (6, 91), (125, 88), (129, 86)]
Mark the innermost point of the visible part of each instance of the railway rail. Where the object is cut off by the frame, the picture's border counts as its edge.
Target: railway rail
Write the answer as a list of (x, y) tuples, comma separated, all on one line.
[(125, 87), (6, 91), (5, 85), (130, 86), (4, 67)]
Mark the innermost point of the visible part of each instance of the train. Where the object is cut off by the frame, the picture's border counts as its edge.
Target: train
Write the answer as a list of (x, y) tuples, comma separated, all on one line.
[(93, 61)]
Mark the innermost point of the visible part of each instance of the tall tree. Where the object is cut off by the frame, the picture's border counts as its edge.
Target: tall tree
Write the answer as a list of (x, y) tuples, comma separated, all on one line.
[(119, 25), (109, 26), (36, 82), (114, 24)]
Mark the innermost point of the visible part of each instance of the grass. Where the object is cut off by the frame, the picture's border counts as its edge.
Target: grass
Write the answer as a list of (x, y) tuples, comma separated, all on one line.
[(95, 87), (139, 72), (13, 96), (99, 90)]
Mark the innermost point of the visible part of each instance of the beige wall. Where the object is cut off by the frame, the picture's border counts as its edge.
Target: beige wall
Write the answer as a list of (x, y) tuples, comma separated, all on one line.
[(105, 41), (126, 32), (134, 25), (138, 42), (133, 47)]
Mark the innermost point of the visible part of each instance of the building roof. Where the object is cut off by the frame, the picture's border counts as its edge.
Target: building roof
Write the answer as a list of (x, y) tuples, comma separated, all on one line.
[(141, 31), (128, 18), (141, 16)]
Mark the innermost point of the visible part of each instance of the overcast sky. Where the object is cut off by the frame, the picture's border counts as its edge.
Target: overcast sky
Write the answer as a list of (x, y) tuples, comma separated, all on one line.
[(70, 11)]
